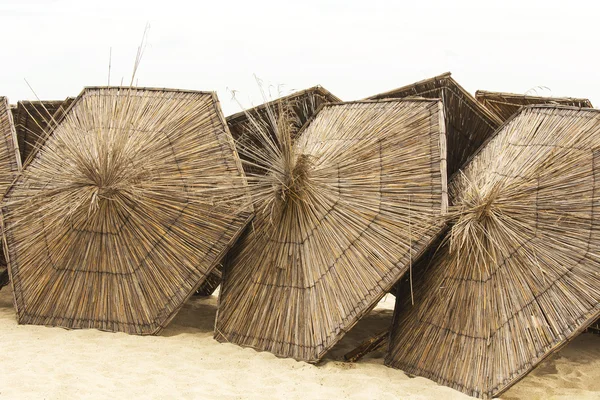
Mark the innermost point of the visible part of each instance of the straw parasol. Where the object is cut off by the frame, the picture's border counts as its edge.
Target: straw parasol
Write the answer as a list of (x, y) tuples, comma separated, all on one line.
[(297, 108), (33, 119), (468, 123), (518, 275), (10, 165), (341, 214), (504, 105), (133, 199)]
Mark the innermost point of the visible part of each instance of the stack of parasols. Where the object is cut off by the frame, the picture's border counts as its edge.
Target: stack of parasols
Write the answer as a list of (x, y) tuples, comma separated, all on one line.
[(481, 214)]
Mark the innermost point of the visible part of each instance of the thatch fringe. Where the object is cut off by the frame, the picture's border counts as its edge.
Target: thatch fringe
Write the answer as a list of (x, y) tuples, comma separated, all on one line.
[(517, 276), (340, 213), (504, 105), (131, 202), (468, 123)]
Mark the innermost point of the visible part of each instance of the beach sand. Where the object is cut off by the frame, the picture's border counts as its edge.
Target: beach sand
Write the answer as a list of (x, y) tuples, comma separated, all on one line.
[(184, 362)]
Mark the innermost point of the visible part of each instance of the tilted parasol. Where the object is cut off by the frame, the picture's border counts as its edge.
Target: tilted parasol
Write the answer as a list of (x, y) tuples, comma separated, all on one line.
[(518, 275), (128, 206), (340, 215)]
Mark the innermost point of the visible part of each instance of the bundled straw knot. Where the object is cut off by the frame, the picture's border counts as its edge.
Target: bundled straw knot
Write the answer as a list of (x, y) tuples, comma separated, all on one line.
[(478, 223), (483, 207), (296, 180), (110, 184)]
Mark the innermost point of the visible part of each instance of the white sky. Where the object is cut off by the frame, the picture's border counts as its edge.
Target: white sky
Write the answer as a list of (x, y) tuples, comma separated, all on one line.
[(354, 48)]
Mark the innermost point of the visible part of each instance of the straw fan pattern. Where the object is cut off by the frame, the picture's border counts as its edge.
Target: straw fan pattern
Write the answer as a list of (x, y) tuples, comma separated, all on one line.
[(133, 199), (468, 123), (519, 273), (10, 166), (504, 105), (33, 120), (340, 215), (295, 109)]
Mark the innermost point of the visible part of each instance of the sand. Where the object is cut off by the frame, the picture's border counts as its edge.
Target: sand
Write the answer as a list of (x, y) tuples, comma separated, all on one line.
[(184, 362)]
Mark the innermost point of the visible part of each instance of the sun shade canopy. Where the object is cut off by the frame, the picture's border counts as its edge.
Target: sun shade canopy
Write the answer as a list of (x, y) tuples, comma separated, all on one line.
[(132, 200), (519, 273), (338, 220)]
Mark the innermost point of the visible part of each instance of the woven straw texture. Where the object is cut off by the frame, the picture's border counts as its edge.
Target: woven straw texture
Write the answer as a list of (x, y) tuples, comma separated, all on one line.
[(518, 275), (212, 282), (33, 121), (132, 200), (504, 105), (468, 123), (296, 108), (10, 165), (338, 220)]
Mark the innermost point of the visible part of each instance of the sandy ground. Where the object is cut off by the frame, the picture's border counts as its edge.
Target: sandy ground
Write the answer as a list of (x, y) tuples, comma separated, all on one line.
[(186, 363)]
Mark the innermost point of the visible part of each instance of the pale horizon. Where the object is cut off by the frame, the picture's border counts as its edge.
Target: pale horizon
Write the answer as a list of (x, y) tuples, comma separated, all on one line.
[(353, 49)]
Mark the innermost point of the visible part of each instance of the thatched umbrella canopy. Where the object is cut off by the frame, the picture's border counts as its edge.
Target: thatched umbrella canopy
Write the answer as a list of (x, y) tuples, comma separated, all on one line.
[(10, 166), (519, 273), (133, 199), (33, 119), (297, 108), (504, 105), (468, 123), (340, 216)]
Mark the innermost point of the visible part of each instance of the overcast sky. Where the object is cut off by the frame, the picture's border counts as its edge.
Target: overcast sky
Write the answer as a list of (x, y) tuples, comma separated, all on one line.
[(354, 48)]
